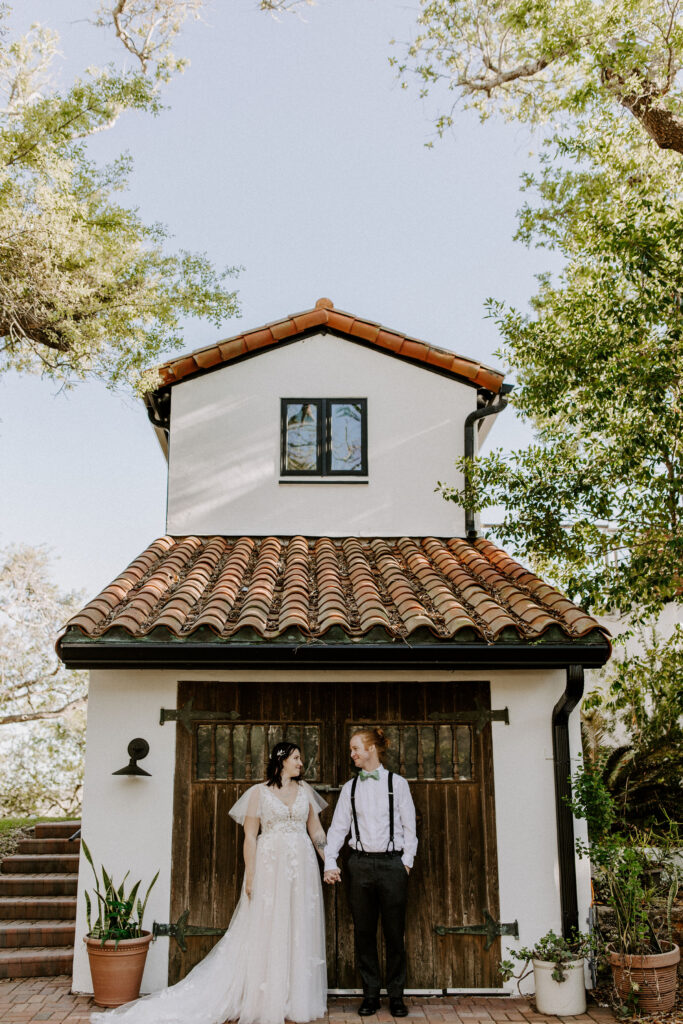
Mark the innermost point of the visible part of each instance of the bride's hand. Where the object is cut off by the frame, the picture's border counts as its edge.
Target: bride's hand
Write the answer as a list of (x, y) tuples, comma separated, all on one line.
[(248, 885)]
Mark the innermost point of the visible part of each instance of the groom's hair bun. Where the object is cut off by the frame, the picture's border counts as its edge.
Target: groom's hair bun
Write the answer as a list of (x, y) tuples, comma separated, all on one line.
[(374, 734)]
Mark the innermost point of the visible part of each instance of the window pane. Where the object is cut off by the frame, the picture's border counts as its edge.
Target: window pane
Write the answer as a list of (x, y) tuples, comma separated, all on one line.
[(301, 441), (464, 752), (346, 424)]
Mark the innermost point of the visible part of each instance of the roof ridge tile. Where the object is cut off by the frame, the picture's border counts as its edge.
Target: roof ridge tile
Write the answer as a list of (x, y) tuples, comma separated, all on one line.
[(369, 332)]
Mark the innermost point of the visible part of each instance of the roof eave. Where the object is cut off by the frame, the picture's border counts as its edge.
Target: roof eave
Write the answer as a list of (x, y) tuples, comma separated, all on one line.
[(591, 651)]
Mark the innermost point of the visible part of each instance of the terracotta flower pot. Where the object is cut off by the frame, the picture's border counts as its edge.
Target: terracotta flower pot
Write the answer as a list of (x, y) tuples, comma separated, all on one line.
[(654, 975), (117, 970)]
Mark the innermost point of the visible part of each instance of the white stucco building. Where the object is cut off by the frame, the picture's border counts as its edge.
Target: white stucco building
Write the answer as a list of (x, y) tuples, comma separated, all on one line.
[(311, 580)]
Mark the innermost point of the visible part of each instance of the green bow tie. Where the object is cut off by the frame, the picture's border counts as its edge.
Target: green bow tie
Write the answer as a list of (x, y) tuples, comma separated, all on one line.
[(369, 775)]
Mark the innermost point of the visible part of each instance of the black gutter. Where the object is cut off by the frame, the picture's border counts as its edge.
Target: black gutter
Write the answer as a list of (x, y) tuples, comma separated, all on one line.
[(479, 414), (182, 654), (563, 791)]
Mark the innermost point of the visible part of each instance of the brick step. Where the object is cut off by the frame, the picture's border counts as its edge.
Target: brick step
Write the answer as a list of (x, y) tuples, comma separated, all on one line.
[(23, 864), (36, 961), (21, 933), (55, 829), (39, 885), (37, 908), (33, 847)]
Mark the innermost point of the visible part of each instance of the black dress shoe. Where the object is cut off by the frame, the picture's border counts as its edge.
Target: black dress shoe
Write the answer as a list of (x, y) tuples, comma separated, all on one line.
[(397, 1008), (369, 1006)]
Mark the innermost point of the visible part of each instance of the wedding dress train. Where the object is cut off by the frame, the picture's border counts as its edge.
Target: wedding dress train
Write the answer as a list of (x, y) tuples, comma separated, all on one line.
[(270, 964)]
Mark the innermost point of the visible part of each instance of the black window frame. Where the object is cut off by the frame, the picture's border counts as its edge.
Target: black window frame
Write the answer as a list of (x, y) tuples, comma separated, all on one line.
[(324, 449)]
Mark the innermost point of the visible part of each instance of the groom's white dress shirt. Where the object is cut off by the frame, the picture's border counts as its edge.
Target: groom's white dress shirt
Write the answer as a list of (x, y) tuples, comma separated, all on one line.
[(372, 810)]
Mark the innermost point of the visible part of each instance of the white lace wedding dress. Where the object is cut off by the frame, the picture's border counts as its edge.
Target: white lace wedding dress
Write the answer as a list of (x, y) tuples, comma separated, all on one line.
[(270, 964)]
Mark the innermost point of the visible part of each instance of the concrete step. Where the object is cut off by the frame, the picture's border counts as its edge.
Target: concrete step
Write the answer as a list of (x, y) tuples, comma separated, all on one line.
[(48, 846), (53, 884), (38, 908), (27, 864), (36, 961), (55, 829), (21, 933)]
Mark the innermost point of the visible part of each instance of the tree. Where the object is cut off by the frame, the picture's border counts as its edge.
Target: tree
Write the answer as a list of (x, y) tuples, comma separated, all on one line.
[(42, 704), (86, 287), (34, 685), (597, 501), (537, 59)]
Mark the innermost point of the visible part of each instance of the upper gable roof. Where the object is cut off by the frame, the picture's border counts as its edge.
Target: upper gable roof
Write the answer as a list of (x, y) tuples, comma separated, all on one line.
[(325, 316)]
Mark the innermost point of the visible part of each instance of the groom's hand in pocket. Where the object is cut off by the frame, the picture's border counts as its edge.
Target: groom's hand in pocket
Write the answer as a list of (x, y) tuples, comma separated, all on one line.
[(332, 876)]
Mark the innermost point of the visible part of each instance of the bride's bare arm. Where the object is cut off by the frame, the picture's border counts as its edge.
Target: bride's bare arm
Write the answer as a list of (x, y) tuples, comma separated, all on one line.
[(251, 827), (316, 832)]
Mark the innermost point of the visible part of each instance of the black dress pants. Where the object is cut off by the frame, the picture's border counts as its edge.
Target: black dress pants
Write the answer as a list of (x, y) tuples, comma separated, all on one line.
[(377, 887)]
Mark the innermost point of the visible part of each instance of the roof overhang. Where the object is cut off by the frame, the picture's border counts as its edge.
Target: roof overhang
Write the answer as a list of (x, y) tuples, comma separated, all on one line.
[(76, 651), (296, 602)]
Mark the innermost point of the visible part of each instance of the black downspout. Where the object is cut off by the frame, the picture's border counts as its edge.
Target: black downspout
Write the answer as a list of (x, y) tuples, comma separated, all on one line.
[(479, 414), (563, 791)]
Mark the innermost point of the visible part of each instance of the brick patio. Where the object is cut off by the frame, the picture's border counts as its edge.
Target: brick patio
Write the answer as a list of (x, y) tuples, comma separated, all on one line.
[(29, 1000)]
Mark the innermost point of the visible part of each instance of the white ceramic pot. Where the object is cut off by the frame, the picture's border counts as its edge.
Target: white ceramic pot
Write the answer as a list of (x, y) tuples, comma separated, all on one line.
[(562, 998)]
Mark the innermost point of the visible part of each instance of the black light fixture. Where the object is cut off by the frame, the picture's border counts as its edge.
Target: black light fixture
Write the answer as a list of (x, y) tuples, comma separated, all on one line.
[(137, 749)]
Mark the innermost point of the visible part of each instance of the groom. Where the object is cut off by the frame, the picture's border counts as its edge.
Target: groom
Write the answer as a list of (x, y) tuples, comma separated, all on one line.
[(378, 810)]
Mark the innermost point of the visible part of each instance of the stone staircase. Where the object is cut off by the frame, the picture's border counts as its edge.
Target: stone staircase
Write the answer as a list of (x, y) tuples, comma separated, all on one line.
[(38, 903)]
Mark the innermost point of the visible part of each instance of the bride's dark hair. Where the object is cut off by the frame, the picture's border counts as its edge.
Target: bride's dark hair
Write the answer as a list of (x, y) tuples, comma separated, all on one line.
[(278, 755)]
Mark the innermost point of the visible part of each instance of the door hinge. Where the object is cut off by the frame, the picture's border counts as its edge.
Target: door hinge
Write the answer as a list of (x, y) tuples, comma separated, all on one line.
[(181, 928), (491, 929), (480, 717), (186, 715)]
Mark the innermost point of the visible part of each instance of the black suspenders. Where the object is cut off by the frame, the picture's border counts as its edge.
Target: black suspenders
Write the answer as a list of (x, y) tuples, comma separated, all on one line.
[(359, 845)]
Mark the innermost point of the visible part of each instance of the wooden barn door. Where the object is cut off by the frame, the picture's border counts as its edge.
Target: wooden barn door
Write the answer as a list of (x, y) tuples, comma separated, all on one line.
[(440, 741)]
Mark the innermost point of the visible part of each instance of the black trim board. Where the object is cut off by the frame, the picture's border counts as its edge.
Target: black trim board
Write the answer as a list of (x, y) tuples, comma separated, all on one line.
[(181, 654)]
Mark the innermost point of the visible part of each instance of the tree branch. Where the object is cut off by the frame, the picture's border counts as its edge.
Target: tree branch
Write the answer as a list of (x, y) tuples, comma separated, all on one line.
[(664, 127), (34, 716)]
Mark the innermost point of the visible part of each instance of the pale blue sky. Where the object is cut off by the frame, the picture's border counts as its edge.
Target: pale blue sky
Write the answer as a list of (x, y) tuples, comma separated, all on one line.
[(290, 149)]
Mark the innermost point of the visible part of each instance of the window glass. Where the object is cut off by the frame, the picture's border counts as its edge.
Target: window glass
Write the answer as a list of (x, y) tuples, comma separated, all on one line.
[(301, 441), (346, 452)]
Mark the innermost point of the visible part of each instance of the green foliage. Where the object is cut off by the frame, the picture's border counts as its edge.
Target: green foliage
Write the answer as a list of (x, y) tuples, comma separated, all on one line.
[(552, 949), (119, 914), (636, 870), (46, 761), (42, 704), (597, 502), (86, 288), (551, 60), (642, 694)]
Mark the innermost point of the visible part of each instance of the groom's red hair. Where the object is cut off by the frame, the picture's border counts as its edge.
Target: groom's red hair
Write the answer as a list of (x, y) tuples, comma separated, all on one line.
[(374, 735)]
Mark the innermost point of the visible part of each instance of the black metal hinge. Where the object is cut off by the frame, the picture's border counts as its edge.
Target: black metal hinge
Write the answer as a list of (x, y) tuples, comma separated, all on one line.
[(491, 929), (181, 928), (186, 715), (480, 717)]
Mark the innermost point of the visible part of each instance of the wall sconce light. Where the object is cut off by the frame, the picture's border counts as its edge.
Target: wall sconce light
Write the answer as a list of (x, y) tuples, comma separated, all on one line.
[(137, 749)]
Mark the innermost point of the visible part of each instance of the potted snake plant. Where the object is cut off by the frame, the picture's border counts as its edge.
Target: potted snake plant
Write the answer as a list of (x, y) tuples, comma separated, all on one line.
[(116, 942)]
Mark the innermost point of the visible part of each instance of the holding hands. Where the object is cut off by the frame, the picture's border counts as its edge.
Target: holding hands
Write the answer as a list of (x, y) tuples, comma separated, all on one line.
[(332, 876)]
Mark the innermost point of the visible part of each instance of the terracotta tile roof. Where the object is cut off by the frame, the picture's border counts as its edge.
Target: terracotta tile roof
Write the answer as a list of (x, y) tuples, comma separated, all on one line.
[(325, 315), (270, 588)]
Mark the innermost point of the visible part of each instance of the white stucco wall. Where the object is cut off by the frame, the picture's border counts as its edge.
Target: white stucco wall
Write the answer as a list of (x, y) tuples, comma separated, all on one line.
[(128, 822), (224, 461)]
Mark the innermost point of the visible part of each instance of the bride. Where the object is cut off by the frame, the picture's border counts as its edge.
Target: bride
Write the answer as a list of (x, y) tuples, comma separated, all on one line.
[(270, 964)]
